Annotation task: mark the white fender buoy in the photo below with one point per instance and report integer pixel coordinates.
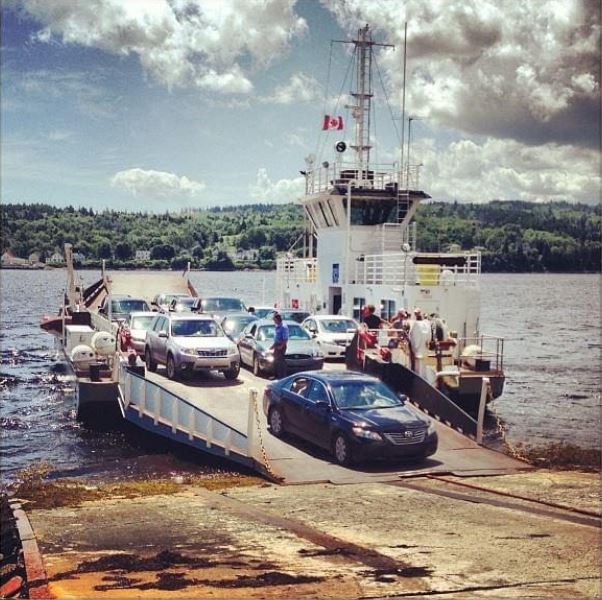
(104, 343)
(81, 356)
(470, 354)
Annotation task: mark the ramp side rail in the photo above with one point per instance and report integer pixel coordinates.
(157, 409)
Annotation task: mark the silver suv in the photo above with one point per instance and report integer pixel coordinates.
(187, 342)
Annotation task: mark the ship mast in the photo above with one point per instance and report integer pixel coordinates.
(363, 97)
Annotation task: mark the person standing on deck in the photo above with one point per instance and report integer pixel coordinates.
(420, 337)
(279, 346)
(372, 320)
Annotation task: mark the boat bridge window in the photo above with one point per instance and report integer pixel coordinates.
(387, 309)
(358, 304)
(324, 214)
(332, 212)
(372, 212)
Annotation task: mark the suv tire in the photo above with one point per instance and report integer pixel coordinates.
(232, 374)
(172, 370)
(151, 365)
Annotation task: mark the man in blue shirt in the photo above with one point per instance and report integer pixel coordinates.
(279, 346)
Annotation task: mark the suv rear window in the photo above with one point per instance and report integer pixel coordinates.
(196, 328)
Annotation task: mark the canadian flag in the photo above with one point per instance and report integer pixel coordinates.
(332, 122)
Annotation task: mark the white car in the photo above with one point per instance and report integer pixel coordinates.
(133, 333)
(186, 342)
(332, 332)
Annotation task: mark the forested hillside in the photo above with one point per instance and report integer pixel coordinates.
(513, 236)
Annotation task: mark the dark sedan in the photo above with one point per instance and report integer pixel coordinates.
(355, 416)
(234, 324)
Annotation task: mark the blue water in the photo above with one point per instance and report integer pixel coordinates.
(551, 324)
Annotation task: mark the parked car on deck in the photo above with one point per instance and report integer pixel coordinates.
(133, 334)
(234, 324)
(121, 306)
(332, 332)
(302, 351)
(289, 314)
(186, 342)
(163, 300)
(182, 304)
(219, 306)
(263, 312)
(355, 416)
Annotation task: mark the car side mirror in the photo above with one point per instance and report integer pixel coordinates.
(323, 404)
(163, 334)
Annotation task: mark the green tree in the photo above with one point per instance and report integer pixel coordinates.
(123, 251)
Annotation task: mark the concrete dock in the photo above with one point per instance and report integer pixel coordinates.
(412, 538)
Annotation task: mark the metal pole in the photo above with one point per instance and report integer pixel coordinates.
(251, 438)
(410, 119)
(348, 246)
(482, 403)
(403, 103)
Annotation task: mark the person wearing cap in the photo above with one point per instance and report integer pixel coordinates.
(400, 319)
(279, 346)
(420, 337)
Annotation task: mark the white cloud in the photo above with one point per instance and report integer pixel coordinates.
(507, 170)
(522, 70)
(156, 184)
(281, 191)
(180, 43)
(299, 88)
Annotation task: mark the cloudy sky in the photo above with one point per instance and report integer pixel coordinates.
(163, 104)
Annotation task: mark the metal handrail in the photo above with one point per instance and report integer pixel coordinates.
(167, 409)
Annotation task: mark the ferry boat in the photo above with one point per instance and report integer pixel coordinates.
(361, 249)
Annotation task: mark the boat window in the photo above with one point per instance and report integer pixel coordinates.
(310, 217)
(387, 309)
(332, 212)
(375, 211)
(320, 205)
(316, 215)
(358, 304)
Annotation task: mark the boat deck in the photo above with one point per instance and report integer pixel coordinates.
(143, 285)
(200, 410)
(296, 461)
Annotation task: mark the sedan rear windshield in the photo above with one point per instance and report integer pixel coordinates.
(142, 322)
(192, 328)
(295, 332)
(217, 304)
(363, 394)
(338, 325)
(128, 306)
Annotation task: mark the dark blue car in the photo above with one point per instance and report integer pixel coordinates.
(355, 416)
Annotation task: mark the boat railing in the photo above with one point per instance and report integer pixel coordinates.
(482, 352)
(297, 270)
(424, 269)
(100, 323)
(329, 177)
(165, 409)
